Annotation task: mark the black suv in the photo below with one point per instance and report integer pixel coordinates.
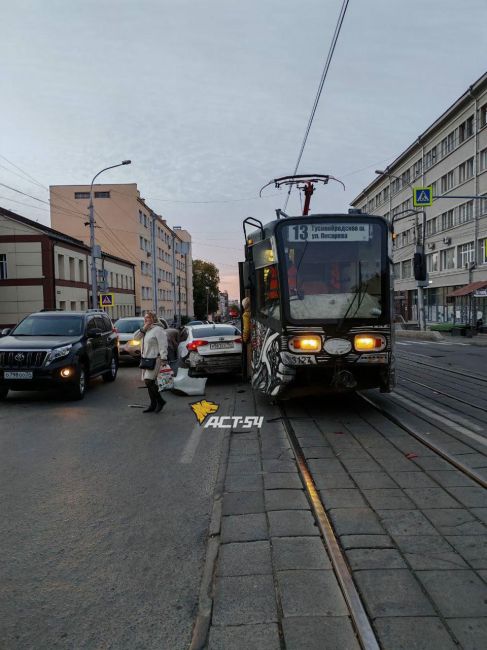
(60, 350)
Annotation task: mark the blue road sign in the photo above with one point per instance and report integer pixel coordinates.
(422, 196)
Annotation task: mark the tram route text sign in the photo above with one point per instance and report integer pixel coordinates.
(309, 232)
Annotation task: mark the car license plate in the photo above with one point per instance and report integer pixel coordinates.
(221, 346)
(17, 375)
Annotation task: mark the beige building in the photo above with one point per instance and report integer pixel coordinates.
(451, 157)
(127, 227)
(41, 268)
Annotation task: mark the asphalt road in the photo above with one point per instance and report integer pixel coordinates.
(105, 512)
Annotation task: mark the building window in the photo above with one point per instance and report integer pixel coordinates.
(447, 181)
(60, 266)
(73, 305)
(3, 266)
(465, 170)
(102, 195)
(432, 226)
(432, 262)
(483, 115)
(418, 168)
(81, 270)
(465, 130)
(483, 251)
(465, 212)
(81, 195)
(448, 259)
(447, 220)
(483, 160)
(71, 269)
(141, 243)
(430, 158)
(465, 254)
(82, 305)
(62, 305)
(406, 269)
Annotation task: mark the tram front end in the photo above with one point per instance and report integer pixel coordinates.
(320, 289)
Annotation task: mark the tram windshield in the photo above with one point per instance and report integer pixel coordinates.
(335, 270)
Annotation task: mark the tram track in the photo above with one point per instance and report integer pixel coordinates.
(433, 389)
(425, 440)
(360, 620)
(449, 369)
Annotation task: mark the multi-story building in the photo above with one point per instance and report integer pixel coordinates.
(127, 226)
(41, 268)
(451, 157)
(223, 305)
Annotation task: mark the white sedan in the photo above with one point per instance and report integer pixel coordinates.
(210, 349)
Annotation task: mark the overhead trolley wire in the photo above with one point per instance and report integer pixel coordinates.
(320, 88)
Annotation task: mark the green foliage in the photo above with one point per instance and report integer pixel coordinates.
(205, 275)
(446, 327)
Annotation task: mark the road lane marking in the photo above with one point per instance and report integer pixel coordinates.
(191, 446)
(443, 420)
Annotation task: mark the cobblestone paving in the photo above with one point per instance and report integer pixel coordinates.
(413, 531)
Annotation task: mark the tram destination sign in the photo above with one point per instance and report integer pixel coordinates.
(310, 232)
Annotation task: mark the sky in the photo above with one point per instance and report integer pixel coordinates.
(210, 100)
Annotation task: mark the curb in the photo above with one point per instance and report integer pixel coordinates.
(423, 336)
(201, 627)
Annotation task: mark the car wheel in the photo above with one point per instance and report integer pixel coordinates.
(111, 374)
(78, 389)
(3, 393)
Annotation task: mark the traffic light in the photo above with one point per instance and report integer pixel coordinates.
(419, 264)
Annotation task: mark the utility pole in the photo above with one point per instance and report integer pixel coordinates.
(155, 286)
(95, 250)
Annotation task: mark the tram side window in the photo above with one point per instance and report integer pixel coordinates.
(268, 291)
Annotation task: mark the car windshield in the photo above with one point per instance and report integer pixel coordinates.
(129, 326)
(334, 270)
(216, 330)
(50, 326)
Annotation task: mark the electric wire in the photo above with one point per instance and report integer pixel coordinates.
(320, 88)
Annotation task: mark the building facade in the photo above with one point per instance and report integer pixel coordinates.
(451, 158)
(41, 268)
(126, 226)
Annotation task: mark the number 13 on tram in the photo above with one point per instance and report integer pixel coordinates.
(320, 289)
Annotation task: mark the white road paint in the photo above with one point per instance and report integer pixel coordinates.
(440, 418)
(192, 445)
(429, 343)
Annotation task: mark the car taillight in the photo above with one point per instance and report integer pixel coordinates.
(194, 345)
(238, 340)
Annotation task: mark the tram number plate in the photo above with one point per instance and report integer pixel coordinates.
(221, 346)
(17, 375)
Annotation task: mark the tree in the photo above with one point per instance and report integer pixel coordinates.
(206, 279)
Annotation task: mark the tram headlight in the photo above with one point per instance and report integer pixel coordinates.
(369, 342)
(305, 343)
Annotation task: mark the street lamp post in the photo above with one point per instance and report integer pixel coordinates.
(94, 283)
(207, 301)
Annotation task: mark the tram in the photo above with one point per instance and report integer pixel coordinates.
(320, 290)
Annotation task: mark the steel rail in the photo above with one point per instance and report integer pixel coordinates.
(440, 392)
(441, 452)
(360, 620)
(430, 365)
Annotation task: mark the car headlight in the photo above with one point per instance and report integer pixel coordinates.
(369, 342)
(133, 343)
(58, 353)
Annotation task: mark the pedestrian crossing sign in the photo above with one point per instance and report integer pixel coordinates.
(422, 196)
(107, 300)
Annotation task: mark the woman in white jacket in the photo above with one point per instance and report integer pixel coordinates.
(154, 346)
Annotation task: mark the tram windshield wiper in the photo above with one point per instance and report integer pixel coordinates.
(359, 293)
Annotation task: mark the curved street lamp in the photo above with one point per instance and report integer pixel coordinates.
(94, 283)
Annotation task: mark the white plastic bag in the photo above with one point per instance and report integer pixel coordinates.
(165, 378)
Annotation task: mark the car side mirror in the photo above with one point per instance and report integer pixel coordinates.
(5, 332)
(94, 333)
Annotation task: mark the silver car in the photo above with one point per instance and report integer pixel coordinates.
(128, 347)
